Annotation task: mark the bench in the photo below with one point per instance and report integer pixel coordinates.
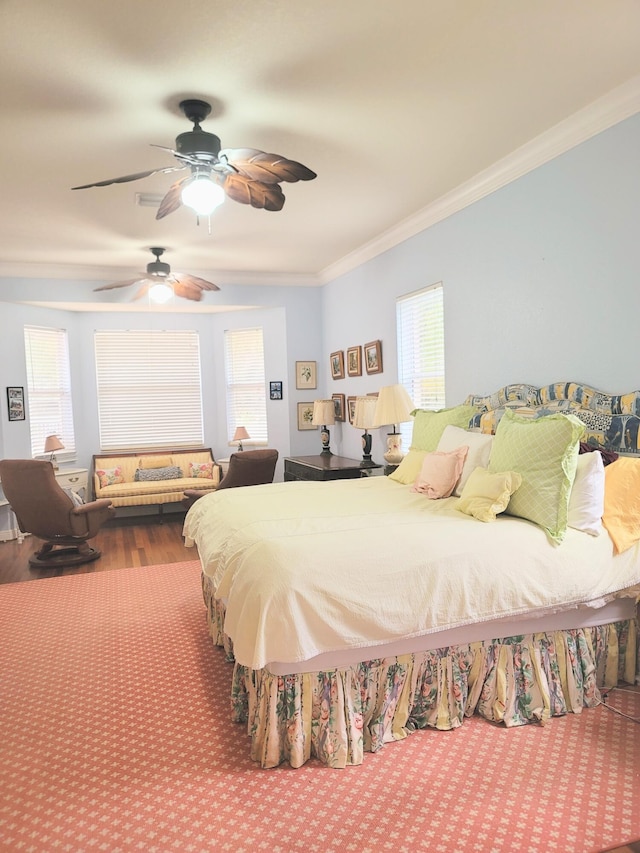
(152, 477)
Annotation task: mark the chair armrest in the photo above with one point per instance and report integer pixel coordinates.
(92, 506)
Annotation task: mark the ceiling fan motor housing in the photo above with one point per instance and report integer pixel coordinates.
(199, 144)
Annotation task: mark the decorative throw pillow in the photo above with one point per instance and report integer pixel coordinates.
(439, 473)
(409, 468)
(155, 461)
(622, 502)
(545, 452)
(486, 494)
(171, 472)
(479, 450)
(429, 426)
(110, 476)
(204, 470)
(586, 502)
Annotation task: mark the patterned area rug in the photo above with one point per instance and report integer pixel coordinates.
(115, 736)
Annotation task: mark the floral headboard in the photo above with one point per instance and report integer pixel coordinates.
(612, 420)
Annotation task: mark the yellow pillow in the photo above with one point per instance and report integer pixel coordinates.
(155, 462)
(409, 468)
(622, 502)
(485, 494)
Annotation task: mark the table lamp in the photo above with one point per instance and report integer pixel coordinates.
(324, 415)
(394, 407)
(240, 435)
(51, 444)
(364, 418)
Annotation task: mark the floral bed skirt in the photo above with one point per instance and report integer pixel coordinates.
(338, 715)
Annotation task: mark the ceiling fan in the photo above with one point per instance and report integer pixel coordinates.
(246, 175)
(161, 284)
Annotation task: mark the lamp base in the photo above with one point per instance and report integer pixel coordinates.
(325, 435)
(393, 456)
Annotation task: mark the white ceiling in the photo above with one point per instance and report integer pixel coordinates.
(398, 106)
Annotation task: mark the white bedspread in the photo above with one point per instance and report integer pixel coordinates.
(306, 568)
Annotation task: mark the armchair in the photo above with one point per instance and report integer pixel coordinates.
(45, 510)
(246, 468)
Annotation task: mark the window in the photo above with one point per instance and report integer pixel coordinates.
(246, 387)
(420, 322)
(49, 389)
(149, 390)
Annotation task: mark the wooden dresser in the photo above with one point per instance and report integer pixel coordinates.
(325, 467)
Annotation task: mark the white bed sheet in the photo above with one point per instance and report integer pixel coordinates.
(306, 569)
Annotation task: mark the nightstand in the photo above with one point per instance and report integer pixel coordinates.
(325, 467)
(76, 479)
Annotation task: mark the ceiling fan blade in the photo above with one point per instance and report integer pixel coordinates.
(186, 291)
(172, 200)
(120, 284)
(255, 193)
(268, 168)
(125, 178)
(194, 281)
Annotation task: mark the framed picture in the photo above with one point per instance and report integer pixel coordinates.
(373, 357)
(337, 365)
(306, 374)
(275, 390)
(15, 403)
(354, 361)
(351, 408)
(305, 416)
(338, 402)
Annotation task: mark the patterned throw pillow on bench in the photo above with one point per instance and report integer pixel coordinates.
(171, 472)
(204, 470)
(110, 476)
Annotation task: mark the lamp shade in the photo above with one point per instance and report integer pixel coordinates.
(324, 413)
(202, 195)
(52, 443)
(240, 434)
(394, 405)
(364, 412)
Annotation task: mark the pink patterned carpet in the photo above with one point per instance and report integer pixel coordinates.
(115, 736)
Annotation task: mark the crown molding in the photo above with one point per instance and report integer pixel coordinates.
(617, 105)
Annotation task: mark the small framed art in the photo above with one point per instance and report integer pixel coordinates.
(354, 361)
(336, 360)
(373, 357)
(15, 403)
(305, 416)
(338, 403)
(275, 390)
(306, 374)
(351, 408)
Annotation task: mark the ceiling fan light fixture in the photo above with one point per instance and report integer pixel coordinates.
(160, 293)
(202, 194)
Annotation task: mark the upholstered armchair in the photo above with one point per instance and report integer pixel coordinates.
(246, 468)
(44, 509)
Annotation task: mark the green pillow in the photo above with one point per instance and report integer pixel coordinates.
(429, 426)
(545, 452)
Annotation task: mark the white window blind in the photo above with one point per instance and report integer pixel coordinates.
(149, 389)
(49, 389)
(246, 386)
(420, 325)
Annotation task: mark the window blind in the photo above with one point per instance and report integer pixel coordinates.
(246, 386)
(49, 389)
(420, 328)
(149, 389)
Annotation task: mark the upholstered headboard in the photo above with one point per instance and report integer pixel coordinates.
(612, 420)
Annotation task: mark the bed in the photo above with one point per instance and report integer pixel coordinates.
(489, 574)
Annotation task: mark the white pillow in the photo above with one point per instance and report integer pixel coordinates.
(586, 501)
(479, 445)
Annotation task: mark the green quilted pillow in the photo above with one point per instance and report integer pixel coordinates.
(429, 426)
(545, 452)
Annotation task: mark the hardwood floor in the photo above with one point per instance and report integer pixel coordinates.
(124, 542)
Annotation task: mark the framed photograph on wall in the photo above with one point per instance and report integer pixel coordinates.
(305, 416)
(373, 357)
(15, 403)
(354, 361)
(336, 360)
(306, 374)
(351, 408)
(338, 403)
(275, 390)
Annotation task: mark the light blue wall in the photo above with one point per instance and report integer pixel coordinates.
(540, 282)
